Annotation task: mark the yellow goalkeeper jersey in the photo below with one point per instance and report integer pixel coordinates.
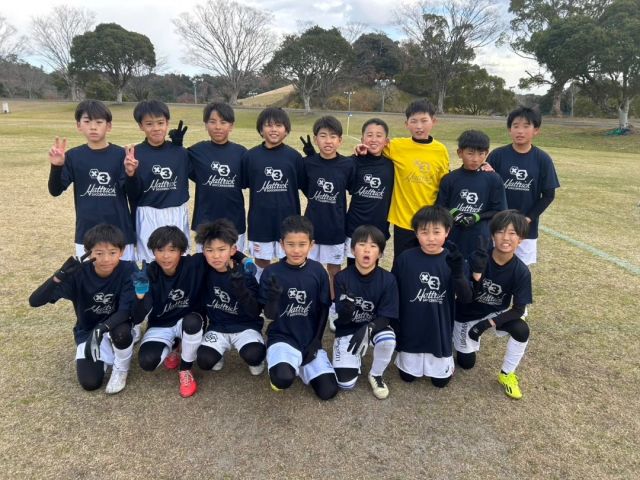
(419, 167)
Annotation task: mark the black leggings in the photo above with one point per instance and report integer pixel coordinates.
(282, 376)
(253, 353)
(437, 382)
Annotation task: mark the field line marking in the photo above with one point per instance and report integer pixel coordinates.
(594, 251)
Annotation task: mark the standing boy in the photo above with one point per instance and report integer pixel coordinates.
(97, 172)
(295, 295)
(103, 298)
(504, 291)
(274, 173)
(528, 173)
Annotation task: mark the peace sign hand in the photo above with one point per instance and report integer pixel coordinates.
(57, 151)
(130, 162)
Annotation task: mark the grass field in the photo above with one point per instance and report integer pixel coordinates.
(580, 377)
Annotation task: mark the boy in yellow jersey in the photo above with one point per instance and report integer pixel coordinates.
(420, 163)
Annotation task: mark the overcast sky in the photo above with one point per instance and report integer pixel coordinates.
(153, 19)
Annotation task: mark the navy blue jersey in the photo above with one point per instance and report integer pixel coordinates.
(427, 303)
(162, 177)
(376, 295)
(174, 297)
(216, 171)
(305, 291)
(525, 176)
(226, 314)
(273, 177)
(98, 179)
(471, 192)
(371, 194)
(502, 286)
(95, 298)
(327, 182)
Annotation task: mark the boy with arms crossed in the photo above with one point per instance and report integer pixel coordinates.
(97, 172)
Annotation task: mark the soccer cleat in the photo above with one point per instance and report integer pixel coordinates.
(257, 369)
(188, 385)
(173, 360)
(274, 388)
(510, 383)
(218, 366)
(380, 389)
(333, 316)
(117, 381)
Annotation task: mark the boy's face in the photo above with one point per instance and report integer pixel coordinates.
(367, 254)
(218, 128)
(296, 246)
(95, 131)
(472, 158)
(522, 132)
(375, 138)
(155, 129)
(107, 258)
(506, 241)
(218, 254)
(420, 124)
(328, 142)
(273, 134)
(168, 258)
(431, 237)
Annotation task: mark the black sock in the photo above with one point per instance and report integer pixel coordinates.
(185, 365)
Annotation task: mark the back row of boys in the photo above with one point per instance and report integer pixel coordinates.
(270, 168)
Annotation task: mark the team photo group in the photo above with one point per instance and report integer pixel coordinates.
(265, 277)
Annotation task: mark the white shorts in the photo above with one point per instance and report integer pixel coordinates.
(149, 219)
(328, 254)
(425, 365)
(240, 244)
(223, 342)
(527, 251)
(127, 254)
(166, 335)
(461, 341)
(344, 359)
(106, 350)
(266, 250)
(284, 353)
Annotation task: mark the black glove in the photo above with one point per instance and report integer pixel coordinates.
(307, 147)
(346, 306)
(237, 276)
(478, 329)
(455, 260)
(457, 215)
(479, 257)
(71, 266)
(469, 219)
(177, 134)
(140, 280)
(311, 351)
(359, 340)
(274, 289)
(380, 323)
(92, 345)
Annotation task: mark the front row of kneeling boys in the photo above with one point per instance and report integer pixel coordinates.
(200, 306)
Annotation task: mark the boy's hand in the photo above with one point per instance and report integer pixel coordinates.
(307, 147)
(177, 134)
(311, 351)
(457, 215)
(347, 305)
(359, 340)
(455, 260)
(237, 275)
(478, 329)
(130, 162)
(140, 280)
(92, 345)
(479, 257)
(486, 167)
(274, 289)
(469, 219)
(57, 151)
(71, 266)
(360, 150)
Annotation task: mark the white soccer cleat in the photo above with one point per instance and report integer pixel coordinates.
(257, 369)
(117, 381)
(380, 389)
(218, 366)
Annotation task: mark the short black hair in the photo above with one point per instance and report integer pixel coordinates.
(94, 109)
(420, 106)
(153, 108)
(221, 229)
(376, 121)
(224, 110)
(475, 140)
(503, 219)
(365, 232)
(532, 115)
(168, 235)
(273, 115)
(296, 224)
(103, 233)
(329, 122)
(434, 214)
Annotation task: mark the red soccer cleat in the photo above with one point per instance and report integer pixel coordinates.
(188, 385)
(173, 360)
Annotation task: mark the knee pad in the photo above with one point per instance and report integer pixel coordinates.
(440, 382)
(282, 375)
(519, 331)
(90, 374)
(407, 377)
(347, 377)
(207, 357)
(253, 353)
(121, 336)
(150, 354)
(325, 386)
(466, 360)
(192, 323)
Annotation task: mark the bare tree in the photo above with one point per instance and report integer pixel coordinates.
(11, 47)
(52, 36)
(231, 40)
(448, 34)
(351, 31)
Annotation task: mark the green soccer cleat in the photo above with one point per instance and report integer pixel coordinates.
(510, 383)
(275, 389)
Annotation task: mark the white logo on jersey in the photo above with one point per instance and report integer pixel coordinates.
(365, 305)
(221, 294)
(327, 195)
(223, 170)
(372, 190)
(222, 302)
(176, 295)
(297, 309)
(431, 293)
(274, 173)
(519, 173)
(104, 304)
(103, 178)
(373, 182)
(491, 293)
(470, 197)
(102, 189)
(102, 298)
(519, 182)
(162, 184)
(177, 301)
(299, 295)
(164, 172)
(275, 184)
(431, 281)
(327, 187)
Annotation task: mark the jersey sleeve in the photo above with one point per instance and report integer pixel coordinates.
(67, 177)
(324, 295)
(127, 294)
(497, 196)
(549, 178)
(522, 291)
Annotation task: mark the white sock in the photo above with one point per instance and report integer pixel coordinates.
(259, 271)
(122, 359)
(513, 355)
(190, 344)
(384, 344)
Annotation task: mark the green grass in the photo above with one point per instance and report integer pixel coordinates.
(580, 376)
